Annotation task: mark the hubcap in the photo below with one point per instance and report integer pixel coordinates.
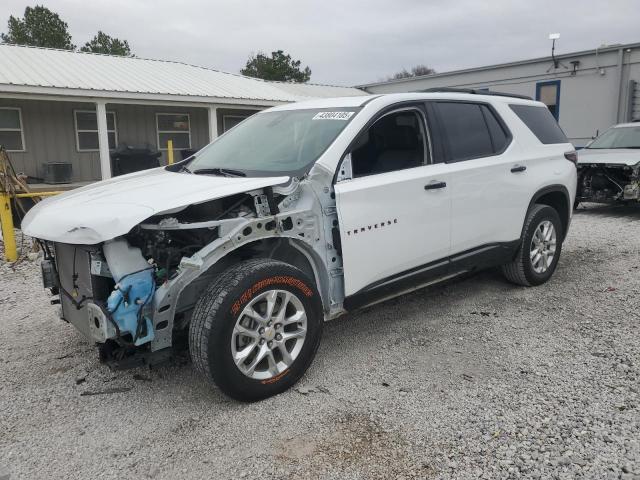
(269, 334)
(543, 247)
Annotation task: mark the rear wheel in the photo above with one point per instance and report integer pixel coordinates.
(256, 329)
(539, 250)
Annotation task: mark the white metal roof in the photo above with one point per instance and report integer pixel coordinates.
(61, 72)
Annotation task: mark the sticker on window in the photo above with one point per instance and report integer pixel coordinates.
(333, 115)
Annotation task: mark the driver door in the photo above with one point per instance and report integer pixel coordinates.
(394, 207)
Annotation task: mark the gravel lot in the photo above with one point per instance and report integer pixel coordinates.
(474, 379)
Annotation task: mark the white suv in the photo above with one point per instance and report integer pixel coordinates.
(302, 213)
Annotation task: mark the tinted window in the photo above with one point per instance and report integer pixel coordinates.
(465, 130)
(499, 137)
(395, 142)
(541, 122)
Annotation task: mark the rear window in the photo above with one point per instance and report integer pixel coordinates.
(541, 122)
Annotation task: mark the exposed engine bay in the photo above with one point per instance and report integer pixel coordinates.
(606, 183)
(134, 295)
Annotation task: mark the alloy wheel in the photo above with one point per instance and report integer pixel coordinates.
(543, 247)
(269, 334)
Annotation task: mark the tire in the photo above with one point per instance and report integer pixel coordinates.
(522, 270)
(219, 323)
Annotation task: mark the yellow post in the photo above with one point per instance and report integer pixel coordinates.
(6, 221)
(170, 152)
(36, 194)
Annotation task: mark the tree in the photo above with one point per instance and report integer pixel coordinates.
(279, 67)
(40, 27)
(417, 71)
(103, 43)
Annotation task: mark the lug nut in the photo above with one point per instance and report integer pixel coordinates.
(261, 331)
(278, 337)
(270, 344)
(262, 341)
(278, 325)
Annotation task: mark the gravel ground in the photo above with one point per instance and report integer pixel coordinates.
(474, 379)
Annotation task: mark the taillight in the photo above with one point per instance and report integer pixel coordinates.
(572, 156)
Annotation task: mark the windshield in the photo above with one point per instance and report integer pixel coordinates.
(273, 143)
(620, 137)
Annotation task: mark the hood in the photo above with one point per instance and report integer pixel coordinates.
(614, 156)
(105, 210)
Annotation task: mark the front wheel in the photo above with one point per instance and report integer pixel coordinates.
(539, 250)
(256, 329)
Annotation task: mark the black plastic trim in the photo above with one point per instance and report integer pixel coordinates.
(474, 259)
(473, 91)
(549, 189)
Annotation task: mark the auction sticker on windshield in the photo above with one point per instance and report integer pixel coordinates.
(333, 115)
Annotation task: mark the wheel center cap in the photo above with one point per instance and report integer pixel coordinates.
(269, 333)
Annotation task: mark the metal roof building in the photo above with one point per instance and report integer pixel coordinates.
(74, 107)
(587, 91)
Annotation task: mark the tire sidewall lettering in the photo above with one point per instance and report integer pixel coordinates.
(279, 280)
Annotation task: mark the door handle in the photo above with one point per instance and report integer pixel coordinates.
(434, 185)
(518, 168)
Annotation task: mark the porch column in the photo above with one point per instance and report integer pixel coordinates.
(213, 123)
(103, 139)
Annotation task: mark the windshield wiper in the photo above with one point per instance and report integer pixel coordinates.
(225, 172)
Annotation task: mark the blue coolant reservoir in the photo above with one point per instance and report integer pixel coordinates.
(126, 305)
(134, 290)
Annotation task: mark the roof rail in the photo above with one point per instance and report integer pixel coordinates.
(473, 91)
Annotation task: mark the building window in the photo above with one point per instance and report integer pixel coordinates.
(87, 130)
(549, 94)
(176, 127)
(230, 121)
(11, 134)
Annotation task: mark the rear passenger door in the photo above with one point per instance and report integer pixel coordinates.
(487, 176)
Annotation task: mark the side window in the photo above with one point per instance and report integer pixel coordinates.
(465, 130)
(541, 122)
(499, 137)
(394, 142)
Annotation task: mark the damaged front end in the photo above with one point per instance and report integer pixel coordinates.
(134, 294)
(608, 183)
(105, 291)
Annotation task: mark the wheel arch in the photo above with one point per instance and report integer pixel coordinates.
(558, 198)
(285, 249)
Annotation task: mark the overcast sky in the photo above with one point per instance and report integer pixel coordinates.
(348, 42)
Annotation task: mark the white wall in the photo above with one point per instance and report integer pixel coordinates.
(589, 99)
